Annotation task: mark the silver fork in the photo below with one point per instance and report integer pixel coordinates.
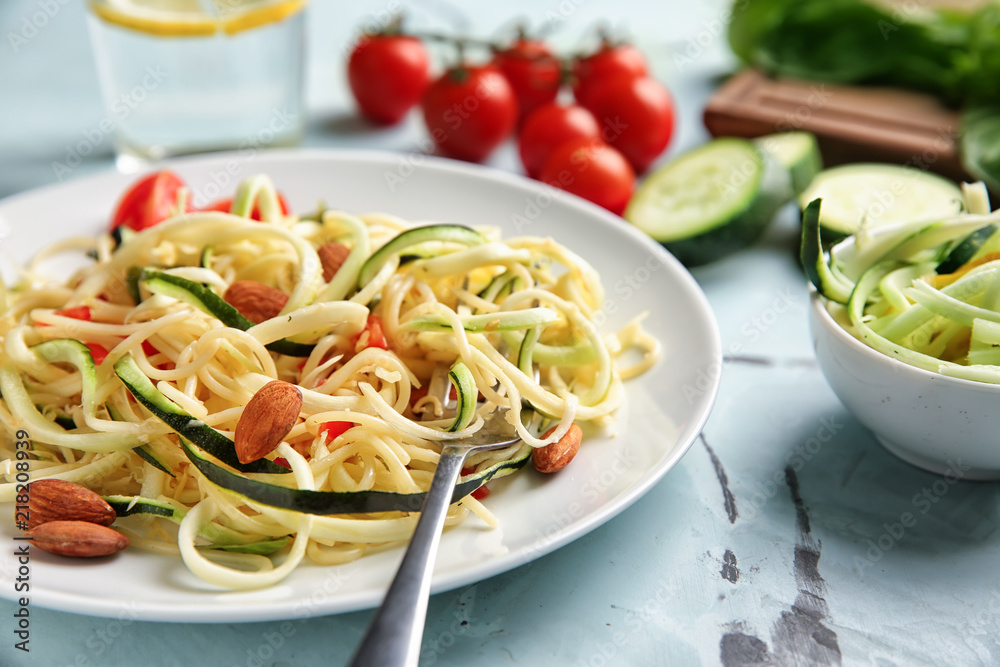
(394, 635)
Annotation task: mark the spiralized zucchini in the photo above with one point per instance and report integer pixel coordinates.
(508, 310)
(928, 295)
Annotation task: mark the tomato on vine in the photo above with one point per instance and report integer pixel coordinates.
(388, 75)
(550, 126)
(593, 170)
(469, 111)
(639, 115)
(533, 72)
(609, 61)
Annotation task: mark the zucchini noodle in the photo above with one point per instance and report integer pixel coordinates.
(131, 375)
(926, 294)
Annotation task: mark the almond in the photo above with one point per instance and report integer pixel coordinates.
(557, 455)
(59, 500)
(79, 539)
(332, 257)
(255, 301)
(267, 419)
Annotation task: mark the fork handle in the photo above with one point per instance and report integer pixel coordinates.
(393, 637)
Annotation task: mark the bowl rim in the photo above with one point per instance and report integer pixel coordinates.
(820, 303)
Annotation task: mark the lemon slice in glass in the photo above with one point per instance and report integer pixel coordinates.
(194, 18)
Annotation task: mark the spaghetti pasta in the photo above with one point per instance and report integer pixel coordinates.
(131, 375)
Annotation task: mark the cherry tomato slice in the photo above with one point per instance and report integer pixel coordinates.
(98, 352)
(332, 430)
(76, 312)
(148, 202)
(388, 75)
(481, 492)
(373, 335)
(224, 206)
(593, 170)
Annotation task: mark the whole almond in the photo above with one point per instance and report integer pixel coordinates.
(79, 539)
(267, 419)
(332, 256)
(557, 455)
(59, 500)
(256, 301)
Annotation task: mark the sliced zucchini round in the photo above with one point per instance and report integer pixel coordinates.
(711, 201)
(797, 152)
(867, 196)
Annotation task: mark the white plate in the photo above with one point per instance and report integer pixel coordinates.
(665, 409)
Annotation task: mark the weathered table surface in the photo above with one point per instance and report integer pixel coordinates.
(785, 536)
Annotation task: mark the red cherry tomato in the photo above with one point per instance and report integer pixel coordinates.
(638, 117)
(98, 352)
(469, 111)
(149, 201)
(220, 205)
(532, 71)
(372, 335)
(224, 205)
(480, 493)
(621, 60)
(593, 170)
(388, 75)
(331, 430)
(550, 126)
(76, 312)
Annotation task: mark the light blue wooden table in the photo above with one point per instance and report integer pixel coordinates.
(776, 540)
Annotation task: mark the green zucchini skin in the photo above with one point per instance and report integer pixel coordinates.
(465, 386)
(202, 297)
(813, 258)
(966, 249)
(738, 187)
(411, 237)
(146, 455)
(514, 320)
(134, 505)
(184, 424)
(736, 234)
(144, 452)
(132, 279)
(211, 443)
(798, 152)
(129, 506)
(261, 548)
(872, 195)
(326, 503)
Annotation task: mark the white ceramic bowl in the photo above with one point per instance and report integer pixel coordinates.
(943, 424)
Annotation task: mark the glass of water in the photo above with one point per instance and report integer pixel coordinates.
(188, 76)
